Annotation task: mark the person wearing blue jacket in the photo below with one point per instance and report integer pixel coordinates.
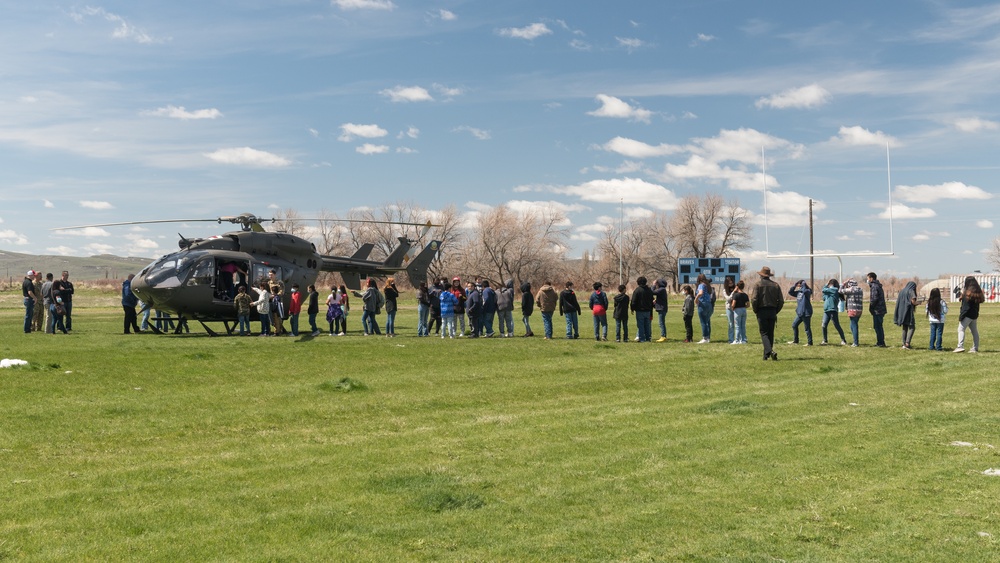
(803, 311)
(831, 308)
(448, 304)
(129, 301)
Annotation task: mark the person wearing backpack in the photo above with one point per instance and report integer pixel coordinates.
(599, 309)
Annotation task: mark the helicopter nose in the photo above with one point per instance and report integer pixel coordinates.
(142, 290)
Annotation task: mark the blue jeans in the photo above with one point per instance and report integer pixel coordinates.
(705, 318)
(265, 324)
(527, 325)
(854, 328)
(507, 322)
(29, 312)
(294, 321)
(731, 318)
(447, 326)
(312, 322)
(879, 333)
(662, 317)
(572, 325)
(739, 324)
(937, 335)
(486, 323)
(795, 329)
(423, 314)
(832, 316)
(244, 324)
(390, 322)
(621, 326)
(600, 321)
(547, 324)
(644, 325)
(370, 323)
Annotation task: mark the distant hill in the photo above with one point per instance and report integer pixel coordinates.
(14, 265)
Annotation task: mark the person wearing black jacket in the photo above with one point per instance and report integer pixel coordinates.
(312, 309)
(621, 315)
(527, 307)
(766, 301)
(570, 308)
(474, 308)
(968, 315)
(642, 304)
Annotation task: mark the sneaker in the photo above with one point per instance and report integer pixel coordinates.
(853, 345)
(636, 338)
(974, 351)
(315, 333)
(793, 342)
(774, 356)
(661, 339)
(703, 341)
(808, 344)
(618, 339)
(340, 334)
(461, 335)
(843, 343)
(823, 343)
(959, 349)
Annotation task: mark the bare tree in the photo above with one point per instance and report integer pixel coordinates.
(708, 227)
(505, 244)
(289, 221)
(994, 254)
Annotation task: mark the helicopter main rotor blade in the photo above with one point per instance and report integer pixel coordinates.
(136, 223)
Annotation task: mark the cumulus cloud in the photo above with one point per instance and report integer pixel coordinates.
(246, 156)
(631, 43)
(48, 205)
(347, 5)
(348, 131)
(858, 136)
(369, 148)
(925, 193)
(406, 150)
(928, 235)
(9, 236)
(60, 250)
(579, 44)
(89, 204)
(637, 149)
(528, 32)
(447, 15)
(702, 38)
(900, 211)
(175, 112)
(984, 224)
(632, 191)
(98, 248)
(788, 209)
(123, 29)
(411, 132)
(614, 107)
(86, 232)
(446, 91)
(805, 97)
(399, 94)
(481, 134)
(974, 124)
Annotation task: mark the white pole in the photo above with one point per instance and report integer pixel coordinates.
(621, 244)
(763, 176)
(888, 173)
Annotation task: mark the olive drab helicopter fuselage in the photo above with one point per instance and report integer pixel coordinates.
(200, 281)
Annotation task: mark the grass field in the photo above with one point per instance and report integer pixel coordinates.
(190, 448)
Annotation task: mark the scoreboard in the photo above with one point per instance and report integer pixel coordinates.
(715, 269)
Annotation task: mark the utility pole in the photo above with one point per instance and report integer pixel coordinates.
(812, 258)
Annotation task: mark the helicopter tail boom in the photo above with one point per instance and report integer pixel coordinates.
(416, 270)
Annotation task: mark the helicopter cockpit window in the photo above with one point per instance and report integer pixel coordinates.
(203, 273)
(260, 271)
(170, 270)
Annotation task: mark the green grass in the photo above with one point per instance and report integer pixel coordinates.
(373, 449)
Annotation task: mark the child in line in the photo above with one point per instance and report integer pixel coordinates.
(263, 304)
(448, 302)
(688, 310)
(277, 312)
(738, 301)
(599, 309)
(936, 308)
(621, 315)
(294, 309)
(242, 302)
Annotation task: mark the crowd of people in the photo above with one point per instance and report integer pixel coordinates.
(48, 304)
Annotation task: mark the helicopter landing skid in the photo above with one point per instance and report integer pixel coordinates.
(229, 328)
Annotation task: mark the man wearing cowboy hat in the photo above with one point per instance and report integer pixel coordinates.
(766, 301)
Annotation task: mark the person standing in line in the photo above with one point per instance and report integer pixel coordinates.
(38, 312)
(968, 315)
(936, 309)
(28, 292)
(312, 309)
(547, 300)
(448, 304)
(621, 315)
(569, 307)
(766, 302)
(129, 301)
(737, 305)
(371, 298)
(854, 298)
(877, 308)
(263, 304)
(391, 295)
(703, 300)
(462, 296)
(728, 289)
(803, 311)
(295, 309)
(642, 305)
(242, 302)
(489, 309)
(527, 307)
(277, 313)
(660, 306)
(435, 296)
(66, 291)
(599, 310)
(505, 309)
(688, 313)
(423, 309)
(905, 315)
(334, 312)
(47, 304)
(474, 308)
(831, 306)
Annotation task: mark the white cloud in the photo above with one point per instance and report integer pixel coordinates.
(369, 148)
(524, 206)
(123, 29)
(703, 38)
(614, 107)
(406, 150)
(411, 132)
(399, 94)
(246, 156)
(363, 4)
(632, 191)
(175, 112)
(900, 211)
(928, 235)
(99, 248)
(348, 131)
(446, 91)
(858, 136)
(86, 232)
(579, 44)
(925, 193)
(96, 205)
(9, 236)
(810, 96)
(314, 133)
(788, 209)
(631, 43)
(984, 224)
(60, 250)
(528, 32)
(447, 15)
(480, 134)
(974, 124)
(637, 149)
(863, 233)
(48, 205)
(689, 115)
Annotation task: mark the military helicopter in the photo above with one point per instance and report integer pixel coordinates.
(199, 281)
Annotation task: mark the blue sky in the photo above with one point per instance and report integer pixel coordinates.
(118, 111)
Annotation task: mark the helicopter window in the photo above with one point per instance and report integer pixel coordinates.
(260, 272)
(203, 273)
